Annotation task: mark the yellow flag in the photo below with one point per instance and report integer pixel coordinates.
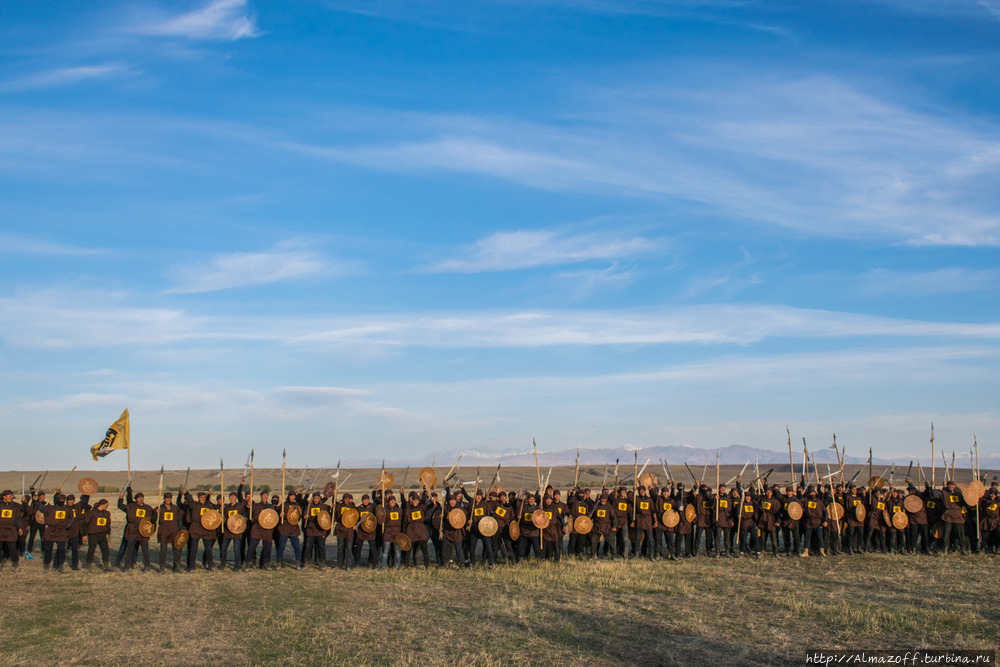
(116, 438)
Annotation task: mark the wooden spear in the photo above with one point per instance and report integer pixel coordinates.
(791, 464)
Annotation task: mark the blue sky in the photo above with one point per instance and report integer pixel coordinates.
(399, 228)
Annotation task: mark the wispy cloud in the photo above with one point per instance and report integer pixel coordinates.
(24, 245)
(65, 76)
(940, 281)
(813, 154)
(247, 269)
(75, 320)
(506, 251)
(219, 19)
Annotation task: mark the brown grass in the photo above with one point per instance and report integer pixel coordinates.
(701, 612)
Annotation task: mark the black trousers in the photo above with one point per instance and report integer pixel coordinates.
(919, 532)
(958, 530)
(8, 550)
(419, 545)
(513, 553)
(723, 540)
(666, 538)
(769, 535)
(169, 546)
(95, 541)
(595, 543)
(265, 552)
(373, 554)
(487, 548)
(790, 538)
(73, 544)
(315, 550)
(132, 556)
(456, 548)
(344, 545)
(60, 556)
(36, 529)
(223, 553)
(208, 560)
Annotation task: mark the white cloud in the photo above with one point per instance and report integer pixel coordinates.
(65, 76)
(814, 155)
(23, 245)
(940, 281)
(505, 251)
(219, 19)
(77, 320)
(246, 269)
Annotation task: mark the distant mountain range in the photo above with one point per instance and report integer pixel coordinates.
(673, 455)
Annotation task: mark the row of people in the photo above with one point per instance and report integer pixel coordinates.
(669, 522)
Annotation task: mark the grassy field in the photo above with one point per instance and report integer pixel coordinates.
(701, 612)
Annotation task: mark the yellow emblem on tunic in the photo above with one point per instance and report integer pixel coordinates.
(102, 521)
(723, 503)
(416, 516)
(7, 514)
(644, 506)
(601, 513)
(204, 509)
(812, 505)
(168, 516)
(501, 511)
(140, 513)
(394, 516)
(953, 499)
(581, 509)
(622, 507)
(60, 515)
(314, 511)
(479, 511)
(748, 509)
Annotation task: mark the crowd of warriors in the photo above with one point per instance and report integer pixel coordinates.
(624, 523)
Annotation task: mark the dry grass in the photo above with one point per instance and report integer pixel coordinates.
(702, 612)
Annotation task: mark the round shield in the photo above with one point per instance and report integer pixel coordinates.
(323, 519)
(860, 512)
(181, 539)
(671, 518)
(425, 473)
(236, 524)
(436, 520)
(913, 503)
(835, 511)
(794, 511)
(330, 490)
(583, 525)
(497, 489)
(540, 519)
(877, 482)
(973, 492)
(146, 527)
(402, 541)
(293, 514)
(690, 513)
(648, 480)
(268, 519)
(40, 517)
(430, 482)
(87, 486)
(211, 520)
(514, 529)
(349, 517)
(456, 518)
(379, 515)
(488, 526)
(938, 530)
(384, 480)
(368, 523)
(887, 517)
(900, 520)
